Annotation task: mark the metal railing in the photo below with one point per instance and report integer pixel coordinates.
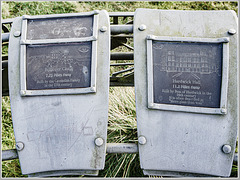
(124, 77)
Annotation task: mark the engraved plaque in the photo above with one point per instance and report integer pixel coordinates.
(58, 28)
(58, 66)
(187, 74)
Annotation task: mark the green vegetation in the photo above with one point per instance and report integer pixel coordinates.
(122, 126)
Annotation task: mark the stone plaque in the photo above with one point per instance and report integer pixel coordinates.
(65, 27)
(58, 66)
(187, 74)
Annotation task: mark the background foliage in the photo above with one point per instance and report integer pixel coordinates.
(122, 126)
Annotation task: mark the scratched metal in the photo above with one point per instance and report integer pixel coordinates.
(187, 74)
(177, 142)
(58, 131)
(59, 66)
(58, 28)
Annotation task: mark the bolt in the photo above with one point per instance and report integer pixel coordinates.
(232, 31)
(142, 27)
(226, 149)
(19, 146)
(93, 89)
(96, 12)
(23, 92)
(142, 140)
(17, 33)
(99, 141)
(103, 29)
(224, 111)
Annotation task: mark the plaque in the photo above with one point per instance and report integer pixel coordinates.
(59, 28)
(58, 66)
(187, 73)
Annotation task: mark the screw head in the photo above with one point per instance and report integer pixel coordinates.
(17, 33)
(142, 27)
(224, 111)
(142, 140)
(226, 149)
(99, 141)
(19, 146)
(232, 31)
(103, 29)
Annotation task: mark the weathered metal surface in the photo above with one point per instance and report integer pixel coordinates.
(5, 37)
(122, 148)
(121, 29)
(122, 56)
(9, 154)
(65, 27)
(58, 131)
(60, 66)
(112, 148)
(179, 142)
(192, 72)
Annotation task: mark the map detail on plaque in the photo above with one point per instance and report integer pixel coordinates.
(187, 73)
(58, 66)
(65, 27)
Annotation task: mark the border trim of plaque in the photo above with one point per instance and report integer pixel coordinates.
(23, 46)
(224, 81)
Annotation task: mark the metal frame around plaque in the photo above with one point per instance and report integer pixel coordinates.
(24, 42)
(224, 80)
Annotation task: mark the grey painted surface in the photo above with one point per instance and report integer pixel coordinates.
(184, 142)
(59, 131)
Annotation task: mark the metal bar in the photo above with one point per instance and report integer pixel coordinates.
(7, 21)
(9, 154)
(111, 148)
(119, 72)
(127, 46)
(122, 148)
(121, 56)
(121, 14)
(121, 29)
(122, 64)
(5, 37)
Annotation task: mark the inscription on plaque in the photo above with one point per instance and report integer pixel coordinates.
(58, 66)
(187, 74)
(67, 27)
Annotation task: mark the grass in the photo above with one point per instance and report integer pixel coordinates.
(122, 126)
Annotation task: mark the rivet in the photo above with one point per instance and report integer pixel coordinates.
(99, 141)
(92, 89)
(142, 140)
(226, 149)
(19, 146)
(96, 12)
(224, 111)
(17, 33)
(142, 27)
(103, 29)
(23, 92)
(232, 31)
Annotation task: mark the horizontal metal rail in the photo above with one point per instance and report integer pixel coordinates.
(5, 37)
(121, 29)
(121, 56)
(112, 148)
(121, 14)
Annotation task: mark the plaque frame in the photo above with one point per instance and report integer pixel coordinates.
(171, 107)
(23, 46)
